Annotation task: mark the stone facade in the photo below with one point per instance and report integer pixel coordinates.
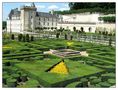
(29, 20)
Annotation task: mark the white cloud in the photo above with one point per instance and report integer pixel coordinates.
(53, 7)
(27, 4)
(65, 8)
(66, 5)
(40, 6)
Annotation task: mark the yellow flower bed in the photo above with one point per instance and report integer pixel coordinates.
(6, 47)
(60, 68)
(69, 43)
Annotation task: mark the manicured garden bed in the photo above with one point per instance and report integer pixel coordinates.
(29, 58)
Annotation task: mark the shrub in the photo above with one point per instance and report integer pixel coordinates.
(104, 84)
(112, 81)
(12, 70)
(32, 83)
(23, 77)
(20, 36)
(7, 64)
(92, 77)
(27, 38)
(84, 81)
(97, 85)
(19, 72)
(57, 35)
(32, 38)
(110, 41)
(107, 75)
(5, 77)
(17, 77)
(71, 37)
(11, 82)
(6, 51)
(12, 36)
(24, 38)
(65, 36)
(95, 81)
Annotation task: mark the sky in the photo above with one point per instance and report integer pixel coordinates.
(41, 7)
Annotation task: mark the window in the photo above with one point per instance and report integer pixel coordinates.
(31, 17)
(44, 19)
(47, 24)
(39, 19)
(52, 23)
(39, 23)
(43, 23)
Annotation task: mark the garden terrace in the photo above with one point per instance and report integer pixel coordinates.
(37, 71)
(28, 57)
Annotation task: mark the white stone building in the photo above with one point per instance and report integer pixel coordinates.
(29, 20)
(86, 21)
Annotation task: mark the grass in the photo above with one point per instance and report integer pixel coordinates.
(38, 69)
(35, 66)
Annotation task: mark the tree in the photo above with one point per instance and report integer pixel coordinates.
(65, 36)
(71, 37)
(32, 38)
(57, 35)
(20, 36)
(51, 28)
(81, 7)
(110, 19)
(24, 38)
(110, 41)
(82, 29)
(74, 29)
(12, 36)
(27, 37)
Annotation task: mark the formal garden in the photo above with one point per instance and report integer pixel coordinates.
(26, 65)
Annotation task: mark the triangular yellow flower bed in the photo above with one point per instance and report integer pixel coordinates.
(60, 68)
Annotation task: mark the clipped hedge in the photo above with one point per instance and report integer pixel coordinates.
(11, 82)
(84, 82)
(31, 83)
(112, 81)
(107, 76)
(5, 77)
(23, 77)
(6, 51)
(104, 84)
(92, 77)
(16, 76)
(95, 81)
(74, 84)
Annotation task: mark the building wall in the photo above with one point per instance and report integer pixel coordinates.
(78, 27)
(81, 18)
(110, 27)
(46, 22)
(13, 26)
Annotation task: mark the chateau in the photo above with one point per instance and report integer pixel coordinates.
(29, 20)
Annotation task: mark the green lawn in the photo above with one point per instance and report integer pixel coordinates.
(38, 68)
(29, 57)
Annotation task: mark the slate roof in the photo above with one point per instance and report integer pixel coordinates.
(14, 12)
(43, 14)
